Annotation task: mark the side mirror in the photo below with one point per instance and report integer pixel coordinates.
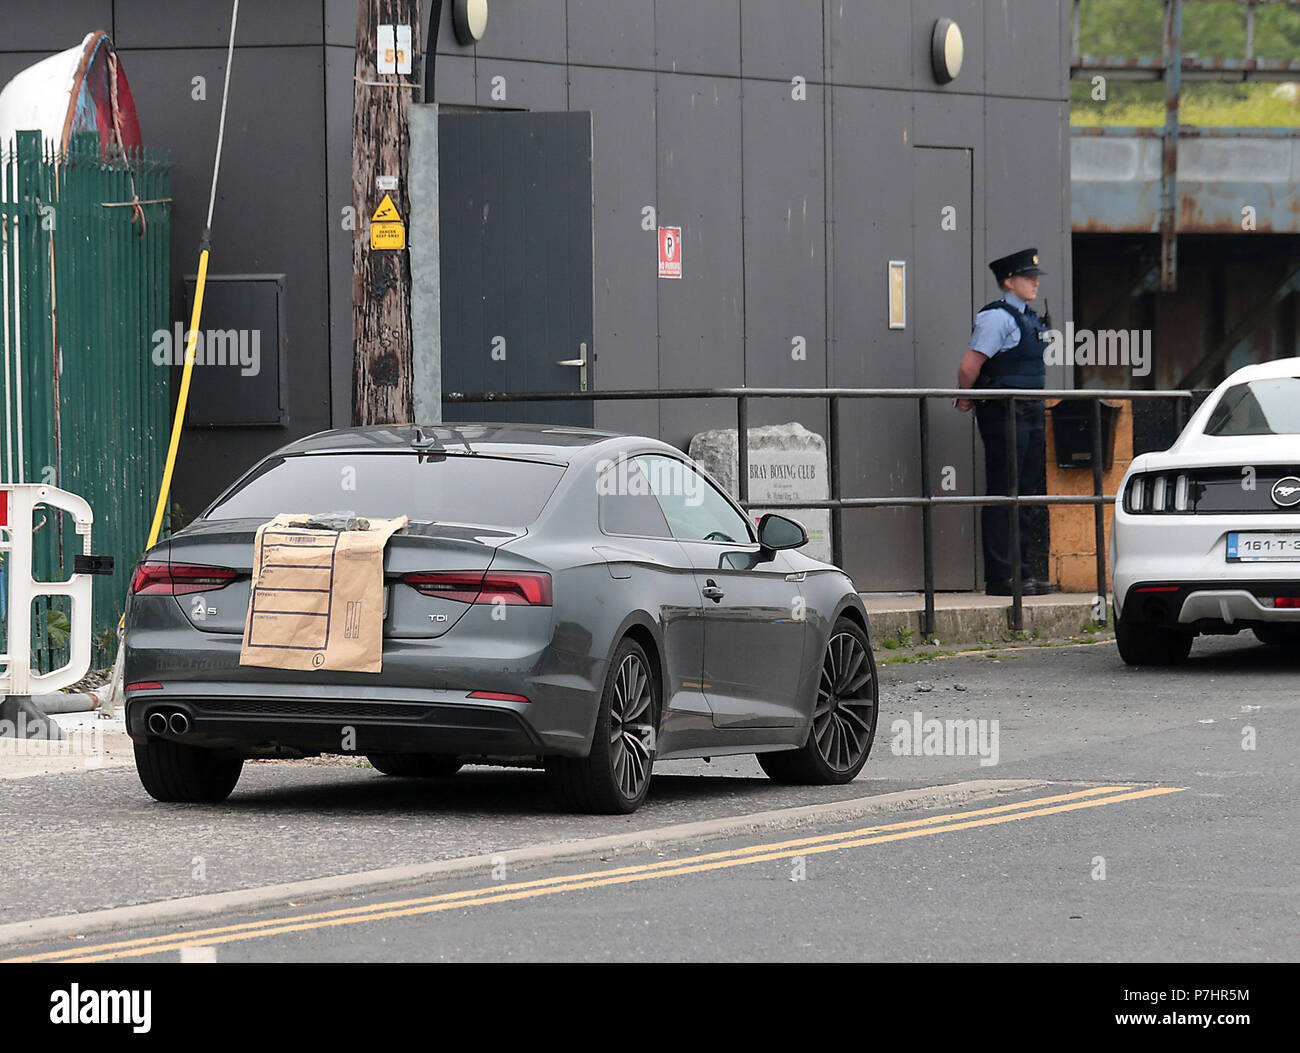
(777, 532)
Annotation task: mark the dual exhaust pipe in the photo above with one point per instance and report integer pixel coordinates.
(162, 722)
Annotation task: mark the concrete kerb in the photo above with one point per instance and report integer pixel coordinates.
(298, 892)
(970, 618)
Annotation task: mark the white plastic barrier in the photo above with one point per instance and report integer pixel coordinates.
(17, 503)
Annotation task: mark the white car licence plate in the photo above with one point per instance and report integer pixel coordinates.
(1258, 546)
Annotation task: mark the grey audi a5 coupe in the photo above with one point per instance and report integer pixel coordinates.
(574, 599)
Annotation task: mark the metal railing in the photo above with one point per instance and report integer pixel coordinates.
(927, 500)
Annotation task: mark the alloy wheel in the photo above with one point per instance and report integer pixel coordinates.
(845, 717)
(631, 733)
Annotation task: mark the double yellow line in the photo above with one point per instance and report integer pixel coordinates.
(803, 846)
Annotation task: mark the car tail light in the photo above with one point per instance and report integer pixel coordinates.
(177, 579)
(145, 685)
(510, 587)
(1158, 588)
(1287, 602)
(449, 585)
(1137, 493)
(1180, 494)
(1158, 494)
(497, 696)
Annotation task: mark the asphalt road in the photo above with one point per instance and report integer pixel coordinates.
(1196, 840)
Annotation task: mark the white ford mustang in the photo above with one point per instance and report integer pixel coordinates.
(1206, 537)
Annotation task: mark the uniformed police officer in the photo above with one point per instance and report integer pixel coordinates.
(1007, 350)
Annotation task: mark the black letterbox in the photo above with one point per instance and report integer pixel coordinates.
(1072, 425)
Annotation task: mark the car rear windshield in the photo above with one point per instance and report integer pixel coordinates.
(456, 488)
(1258, 407)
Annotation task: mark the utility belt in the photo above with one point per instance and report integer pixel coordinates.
(983, 381)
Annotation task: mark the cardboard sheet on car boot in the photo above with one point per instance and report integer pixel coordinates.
(317, 598)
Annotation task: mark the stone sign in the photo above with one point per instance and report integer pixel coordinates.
(787, 462)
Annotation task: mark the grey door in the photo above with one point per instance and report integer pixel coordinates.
(944, 277)
(514, 194)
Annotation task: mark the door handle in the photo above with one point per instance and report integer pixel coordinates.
(712, 592)
(581, 363)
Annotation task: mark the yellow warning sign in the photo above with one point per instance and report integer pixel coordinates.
(387, 231)
(388, 235)
(386, 212)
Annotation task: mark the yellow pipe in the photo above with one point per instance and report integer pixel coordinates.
(181, 400)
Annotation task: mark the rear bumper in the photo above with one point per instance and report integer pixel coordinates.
(1172, 570)
(1210, 606)
(270, 720)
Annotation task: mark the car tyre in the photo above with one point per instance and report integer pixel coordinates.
(1142, 644)
(614, 777)
(415, 765)
(181, 774)
(844, 716)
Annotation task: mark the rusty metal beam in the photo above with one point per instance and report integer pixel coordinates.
(1253, 318)
(1152, 69)
(1185, 131)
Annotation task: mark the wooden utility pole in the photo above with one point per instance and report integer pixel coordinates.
(381, 268)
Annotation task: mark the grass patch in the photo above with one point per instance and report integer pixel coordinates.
(1250, 105)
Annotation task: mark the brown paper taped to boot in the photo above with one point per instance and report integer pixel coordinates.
(317, 600)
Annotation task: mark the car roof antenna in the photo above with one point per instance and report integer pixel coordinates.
(426, 444)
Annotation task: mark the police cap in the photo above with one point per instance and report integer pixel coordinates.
(1024, 262)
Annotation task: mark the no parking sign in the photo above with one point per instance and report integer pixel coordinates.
(670, 252)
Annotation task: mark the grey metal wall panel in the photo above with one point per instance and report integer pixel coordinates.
(1021, 48)
(871, 191)
(269, 217)
(623, 177)
(339, 67)
(612, 33)
(870, 178)
(533, 31)
(969, 16)
(203, 23)
(781, 39)
(691, 37)
(526, 85)
(957, 120)
(785, 258)
(35, 25)
(626, 323)
(866, 44)
(341, 22)
(701, 316)
(1025, 153)
(941, 331)
(948, 120)
(1023, 168)
(453, 80)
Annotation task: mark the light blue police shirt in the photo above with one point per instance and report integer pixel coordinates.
(995, 330)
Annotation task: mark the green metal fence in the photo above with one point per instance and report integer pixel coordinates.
(84, 286)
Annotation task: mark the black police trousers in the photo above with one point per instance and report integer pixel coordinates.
(995, 520)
